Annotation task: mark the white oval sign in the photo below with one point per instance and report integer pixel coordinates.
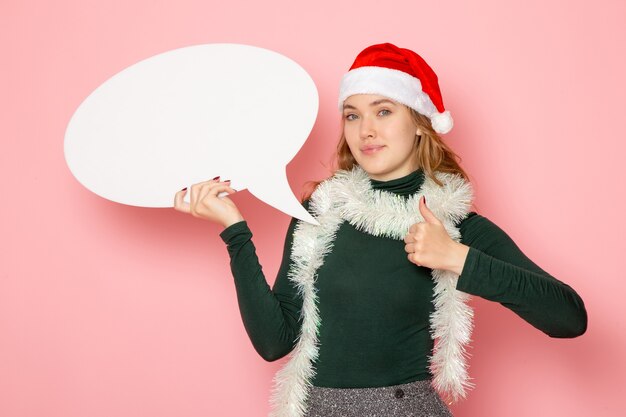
(188, 115)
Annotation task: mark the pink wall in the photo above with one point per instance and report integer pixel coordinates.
(111, 310)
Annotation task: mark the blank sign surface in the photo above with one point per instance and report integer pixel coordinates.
(190, 114)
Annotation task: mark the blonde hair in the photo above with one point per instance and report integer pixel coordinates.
(431, 152)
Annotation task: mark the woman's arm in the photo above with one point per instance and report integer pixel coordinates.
(271, 317)
(497, 270)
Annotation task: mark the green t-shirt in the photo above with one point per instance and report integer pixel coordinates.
(375, 304)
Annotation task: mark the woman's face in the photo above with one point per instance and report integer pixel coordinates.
(381, 135)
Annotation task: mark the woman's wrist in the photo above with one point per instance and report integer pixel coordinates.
(459, 255)
(232, 221)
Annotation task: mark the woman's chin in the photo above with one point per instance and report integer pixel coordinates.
(371, 168)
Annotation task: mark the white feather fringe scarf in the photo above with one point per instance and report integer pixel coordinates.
(348, 196)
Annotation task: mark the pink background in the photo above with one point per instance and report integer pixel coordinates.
(112, 310)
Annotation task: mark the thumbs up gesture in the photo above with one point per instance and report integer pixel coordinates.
(428, 244)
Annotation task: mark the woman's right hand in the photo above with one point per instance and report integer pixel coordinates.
(206, 204)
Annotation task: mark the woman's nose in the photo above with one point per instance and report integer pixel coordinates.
(367, 127)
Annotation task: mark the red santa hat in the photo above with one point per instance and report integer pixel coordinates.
(401, 75)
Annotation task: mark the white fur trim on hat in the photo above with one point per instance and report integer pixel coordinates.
(398, 86)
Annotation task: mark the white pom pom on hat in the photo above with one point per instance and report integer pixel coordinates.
(401, 75)
(442, 122)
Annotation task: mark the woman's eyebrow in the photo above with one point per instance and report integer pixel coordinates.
(373, 103)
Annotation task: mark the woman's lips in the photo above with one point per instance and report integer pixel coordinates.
(371, 151)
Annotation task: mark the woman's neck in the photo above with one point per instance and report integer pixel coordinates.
(404, 186)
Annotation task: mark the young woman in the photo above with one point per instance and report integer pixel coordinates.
(371, 305)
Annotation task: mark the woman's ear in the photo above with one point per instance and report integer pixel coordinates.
(418, 132)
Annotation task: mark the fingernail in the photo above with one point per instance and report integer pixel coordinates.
(226, 180)
(184, 189)
(424, 199)
(216, 177)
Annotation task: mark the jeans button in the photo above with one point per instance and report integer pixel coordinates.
(399, 393)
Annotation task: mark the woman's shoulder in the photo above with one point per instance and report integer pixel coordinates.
(306, 203)
(475, 222)
(466, 221)
(468, 217)
(478, 229)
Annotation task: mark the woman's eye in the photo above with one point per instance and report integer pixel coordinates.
(349, 116)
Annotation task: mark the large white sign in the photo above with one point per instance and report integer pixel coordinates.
(188, 115)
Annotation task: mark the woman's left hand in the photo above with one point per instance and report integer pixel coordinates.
(429, 244)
